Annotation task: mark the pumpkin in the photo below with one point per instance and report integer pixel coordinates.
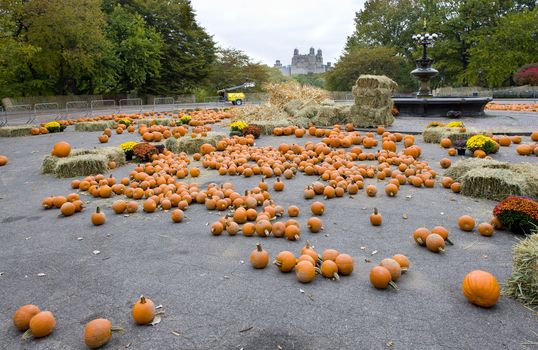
(23, 315)
(466, 223)
(371, 190)
(98, 218)
(305, 272)
(394, 268)
(278, 185)
(446, 142)
(67, 209)
(177, 215)
(496, 223)
(481, 288)
(285, 261)
(41, 325)
(149, 205)
(259, 258)
(376, 218)
(58, 201)
(293, 211)
(132, 207)
(381, 278)
(534, 136)
(308, 258)
(452, 151)
(103, 138)
(420, 235)
(524, 150)
(61, 149)
(329, 254)
(485, 229)
(308, 250)
(217, 228)
(292, 232)
(3, 160)
(317, 208)
(435, 243)
(403, 261)
(345, 264)
(232, 228)
(143, 311)
(119, 206)
(479, 153)
(391, 190)
(445, 163)
(443, 232)
(98, 332)
(314, 224)
(329, 269)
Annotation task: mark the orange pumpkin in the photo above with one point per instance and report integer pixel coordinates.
(481, 288)
(61, 149)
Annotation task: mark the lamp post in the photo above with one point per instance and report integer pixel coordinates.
(424, 71)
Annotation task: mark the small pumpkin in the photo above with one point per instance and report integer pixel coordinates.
(285, 261)
(435, 243)
(98, 333)
(259, 258)
(443, 232)
(98, 218)
(293, 211)
(485, 229)
(143, 311)
(61, 149)
(305, 272)
(381, 278)
(314, 224)
(394, 268)
(420, 235)
(403, 261)
(23, 315)
(67, 209)
(376, 218)
(41, 325)
(329, 254)
(445, 163)
(466, 223)
(278, 185)
(177, 215)
(345, 264)
(3, 160)
(371, 190)
(317, 208)
(481, 288)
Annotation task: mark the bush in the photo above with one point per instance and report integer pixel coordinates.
(53, 127)
(527, 75)
(482, 142)
(518, 214)
(125, 122)
(253, 130)
(143, 151)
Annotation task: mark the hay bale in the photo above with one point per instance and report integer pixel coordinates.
(115, 154)
(309, 111)
(530, 172)
(267, 126)
(375, 82)
(190, 145)
(523, 283)
(462, 167)
(94, 126)
(300, 122)
(81, 165)
(16, 131)
(493, 184)
(328, 102)
(49, 164)
(292, 107)
(327, 116)
(433, 135)
(278, 95)
(373, 101)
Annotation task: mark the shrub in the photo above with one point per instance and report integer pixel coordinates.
(53, 127)
(527, 75)
(143, 151)
(238, 126)
(125, 122)
(455, 125)
(253, 130)
(482, 142)
(185, 119)
(518, 214)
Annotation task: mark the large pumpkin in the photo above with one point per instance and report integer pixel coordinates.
(481, 288)
(61, 149)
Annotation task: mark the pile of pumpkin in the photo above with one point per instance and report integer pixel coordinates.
(512, 107)
(330, 264)
(97, 333)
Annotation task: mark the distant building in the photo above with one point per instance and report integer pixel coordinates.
(304, 64)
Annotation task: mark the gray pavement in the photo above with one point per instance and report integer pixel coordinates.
(213, 301)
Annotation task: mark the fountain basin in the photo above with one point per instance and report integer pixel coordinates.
(440, 106)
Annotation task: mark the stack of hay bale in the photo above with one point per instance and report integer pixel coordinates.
(94, 126)
(83, 162)
(495, 180)
(373, 101)
(523, 283)
(17, 130)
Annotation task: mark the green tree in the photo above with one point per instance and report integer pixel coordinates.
(74, 54)
(497, 56)
(378, 60)
(137, 47)
(188, 51)
(317, 80)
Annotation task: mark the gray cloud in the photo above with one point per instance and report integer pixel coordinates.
(270, 30)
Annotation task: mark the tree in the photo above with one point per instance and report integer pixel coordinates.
(137, 47)
(188, 50)
(317, 80)
(378, 60)
(498, 55)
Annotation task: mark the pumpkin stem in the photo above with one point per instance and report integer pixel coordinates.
(27, 335)
(97, 210)
(259, 247)
(336, 277)
(142, 299)
(277, 263)
(449, 241)
(318, 270)
(393, 285)
(307, 244)
(441, 250)
(375, 211)
(116, 329)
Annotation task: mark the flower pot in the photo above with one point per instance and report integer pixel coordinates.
(461, 151)
(129, 155)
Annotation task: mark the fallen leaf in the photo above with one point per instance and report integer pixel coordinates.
(226, 277)
(300, 290)
(80, 238)
(374, 252)
(390, 343)
(242, 261)
(41, 274)
(311, 297)
(125, 215)
(409, 196)
(363, 248)
(367, 260)
(156, 321)
(176, 333)
(158, 307)
(95, 252)
(442, 213)
(405, 216)
(1, 273)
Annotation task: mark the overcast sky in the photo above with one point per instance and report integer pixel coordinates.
(270, 30)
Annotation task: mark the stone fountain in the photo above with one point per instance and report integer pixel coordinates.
(425, 105)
